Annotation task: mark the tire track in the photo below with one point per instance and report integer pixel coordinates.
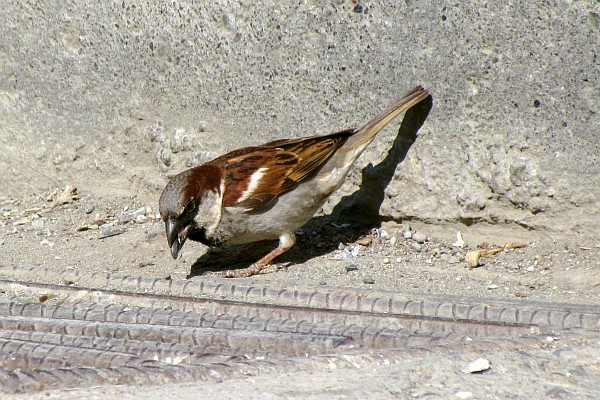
(103, 329)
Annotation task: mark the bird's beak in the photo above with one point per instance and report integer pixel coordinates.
(174, 238)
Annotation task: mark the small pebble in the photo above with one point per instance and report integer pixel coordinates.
(492, 286)
(351, 267)
(128, 216)
(406, 234)
(579, 371)
(89, 209)
(405, 227)
(386, 260)
(530, 269)
(357, 250)
(368, 280)
(464, 395)
(416, 246)
(393, 240)
(156, 213)
(47, 243)
(342, 255)
(419, 237)
(125, 217)
(479, 365)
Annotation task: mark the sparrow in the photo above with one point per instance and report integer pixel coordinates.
(266, 192)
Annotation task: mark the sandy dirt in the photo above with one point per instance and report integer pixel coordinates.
(84, 231)
(79, 230)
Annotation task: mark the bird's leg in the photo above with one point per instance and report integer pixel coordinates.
(286, 241)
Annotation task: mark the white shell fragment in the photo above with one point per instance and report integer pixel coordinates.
(479, 365)
(459, 240)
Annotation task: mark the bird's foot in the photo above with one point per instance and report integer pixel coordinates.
(254, 269)
(262, 266)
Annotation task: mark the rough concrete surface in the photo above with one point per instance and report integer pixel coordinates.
(112, 95)
(115, 97)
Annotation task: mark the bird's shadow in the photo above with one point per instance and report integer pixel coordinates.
(355, 216)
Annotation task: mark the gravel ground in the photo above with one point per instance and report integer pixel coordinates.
(67, 230)
(80, 231)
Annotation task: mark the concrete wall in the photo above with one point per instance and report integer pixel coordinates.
(114, 96)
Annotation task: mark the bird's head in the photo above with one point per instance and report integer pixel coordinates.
(190, 206)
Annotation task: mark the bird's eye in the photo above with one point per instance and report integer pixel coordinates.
(191, 206)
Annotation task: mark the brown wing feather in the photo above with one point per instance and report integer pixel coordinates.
(288, 163)
(238, 168)
(312, 151)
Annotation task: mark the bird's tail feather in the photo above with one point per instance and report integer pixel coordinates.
(367, 132)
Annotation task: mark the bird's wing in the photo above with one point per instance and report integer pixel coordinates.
(256, 176)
